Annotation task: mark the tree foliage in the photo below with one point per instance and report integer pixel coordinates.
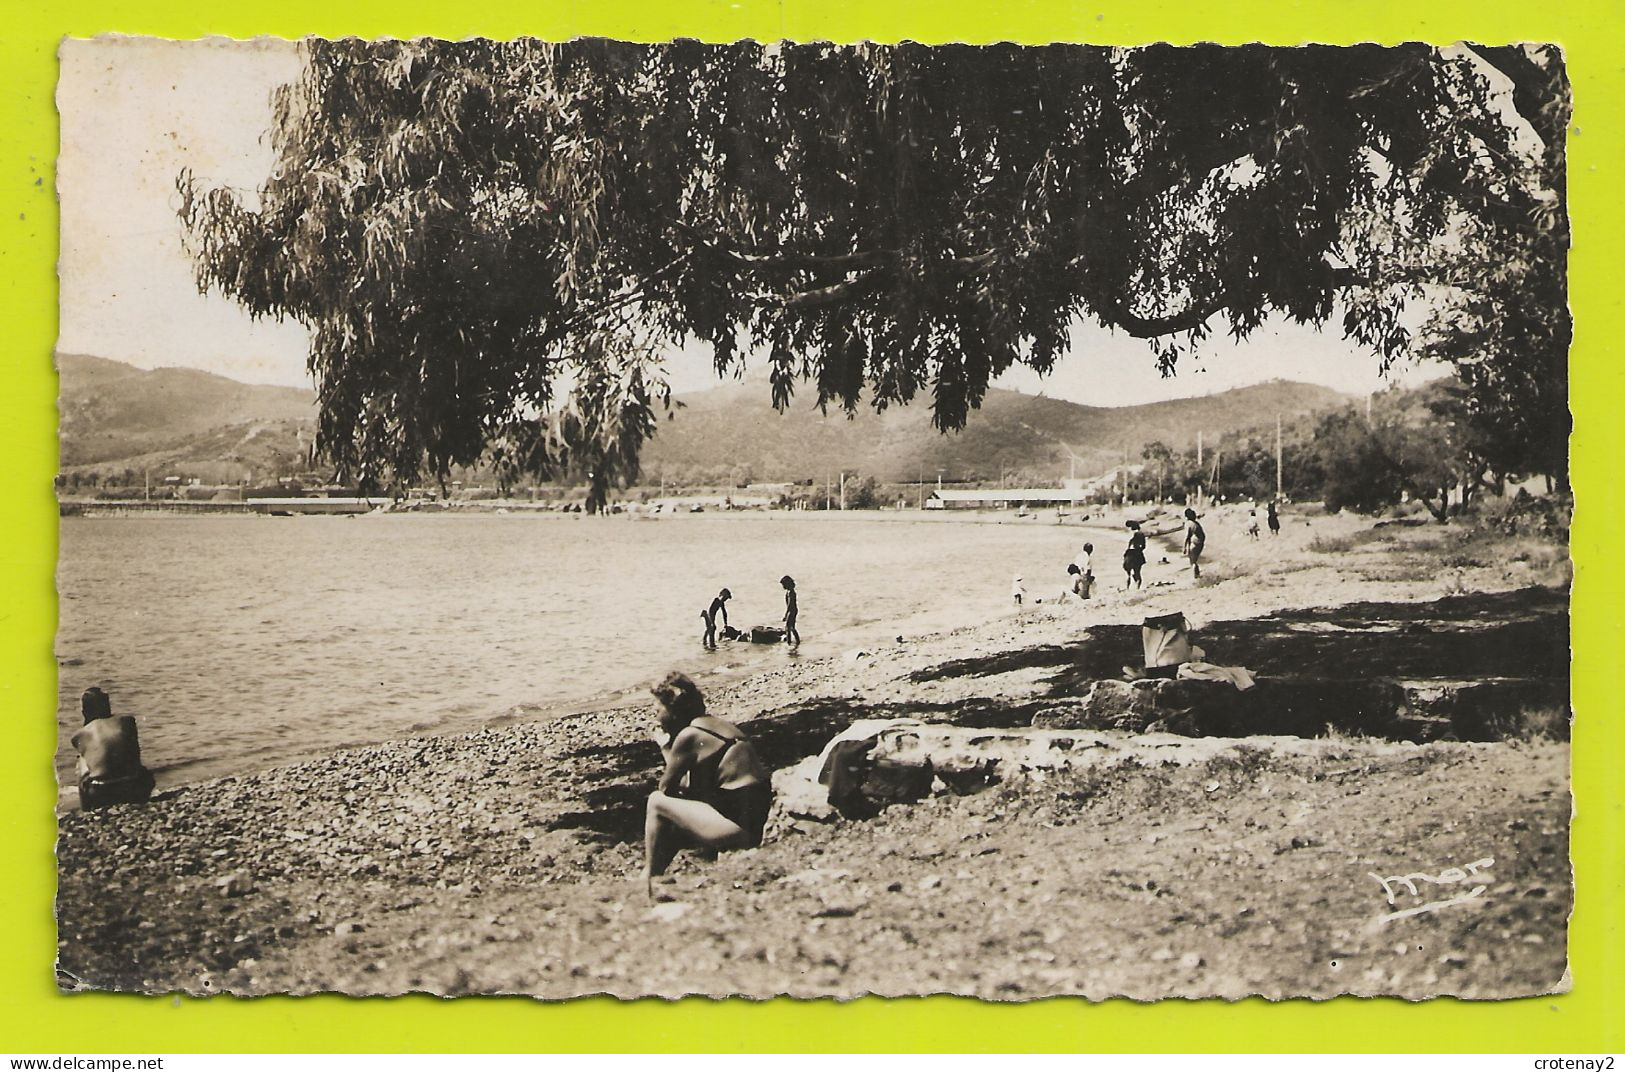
(490, 241)
(1505, 325)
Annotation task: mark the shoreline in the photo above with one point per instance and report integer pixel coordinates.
(732, 663)
(499, 860)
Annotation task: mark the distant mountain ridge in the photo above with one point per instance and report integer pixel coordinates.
(187, 419)
(111, 411)
(1011, 432)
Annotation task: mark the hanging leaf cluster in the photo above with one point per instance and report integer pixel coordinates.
(490, 241)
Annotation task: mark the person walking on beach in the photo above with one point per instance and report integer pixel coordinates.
(1273, 519)
(714, 792)
(719, 605)
(1018, 591)
(1134, 556)
(110, 768)
(1086, 570)
(791, 637)
(1195, 540)
(1252, 524)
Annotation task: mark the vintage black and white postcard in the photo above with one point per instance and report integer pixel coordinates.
(566, 518)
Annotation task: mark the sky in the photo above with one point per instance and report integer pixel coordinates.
(136, 111)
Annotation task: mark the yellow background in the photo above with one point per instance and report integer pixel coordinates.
(35, 1018)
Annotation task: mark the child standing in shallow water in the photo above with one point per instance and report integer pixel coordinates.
(719, 605)
(791, 637)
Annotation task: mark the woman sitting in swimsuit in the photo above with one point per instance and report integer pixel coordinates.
(714, 792)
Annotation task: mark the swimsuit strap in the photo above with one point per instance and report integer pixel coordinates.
(728, 742)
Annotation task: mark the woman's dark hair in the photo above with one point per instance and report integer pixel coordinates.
(725, 594)
(94, 704)
(1190, 513)
(1072, 567)
(787, 581)
(679, 695)
(1089, 547)
(1132, 524)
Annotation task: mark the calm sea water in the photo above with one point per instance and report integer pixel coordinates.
(241, 642)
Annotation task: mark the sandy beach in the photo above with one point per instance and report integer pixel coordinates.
(502, 861)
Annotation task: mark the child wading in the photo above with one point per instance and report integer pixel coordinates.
(791, 637)
(719, 605)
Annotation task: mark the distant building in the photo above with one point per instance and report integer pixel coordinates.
(954, 498)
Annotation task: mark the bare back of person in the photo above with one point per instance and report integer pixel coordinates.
(109, 748)
(726, 759)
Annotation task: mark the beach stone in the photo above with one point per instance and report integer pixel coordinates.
(670, 912)
(235, 885)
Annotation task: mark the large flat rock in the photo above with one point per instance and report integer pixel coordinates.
(1409, 710)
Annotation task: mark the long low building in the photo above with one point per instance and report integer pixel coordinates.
(948, 498)
(316, 505)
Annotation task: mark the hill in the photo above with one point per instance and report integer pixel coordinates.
(1012, 434)
(184, 420)
(111, 411)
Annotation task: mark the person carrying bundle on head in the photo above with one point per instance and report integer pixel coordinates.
(1133, 556)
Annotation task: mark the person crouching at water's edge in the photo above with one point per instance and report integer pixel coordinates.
(714, 792)
(791, 637)
(719, 605)
(110, 768)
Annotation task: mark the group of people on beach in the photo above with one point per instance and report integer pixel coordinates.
(719, 608)
(715, 793)
(1080, 571)
(1134, 554)
(1273, 519)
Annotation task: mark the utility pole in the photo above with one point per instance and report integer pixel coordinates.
(843, 490)
(920, 484)
(826, 491)
(1278, 445)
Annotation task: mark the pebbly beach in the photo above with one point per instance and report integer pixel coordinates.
(503, 860)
